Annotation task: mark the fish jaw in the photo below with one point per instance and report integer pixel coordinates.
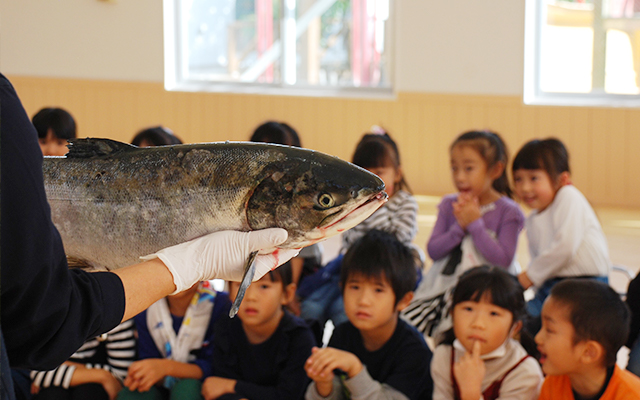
(344, 221)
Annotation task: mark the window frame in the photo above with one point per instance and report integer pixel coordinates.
(533, 95)
(173, 67)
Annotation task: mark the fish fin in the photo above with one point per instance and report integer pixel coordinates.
(94, 147)
(74, 262)
(247, 278)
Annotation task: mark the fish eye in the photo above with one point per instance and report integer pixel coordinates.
(325, 200)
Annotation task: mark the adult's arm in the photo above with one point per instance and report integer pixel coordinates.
(48, 311)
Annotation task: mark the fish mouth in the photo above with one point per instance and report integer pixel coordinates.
(340, 221)
(376, 201)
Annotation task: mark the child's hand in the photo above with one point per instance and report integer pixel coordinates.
(110, 384)
(469, 372)
(323, 361)
(214, 387)
(524, 280)
(145, 373)
(466, 209)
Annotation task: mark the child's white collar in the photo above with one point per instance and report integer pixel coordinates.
(497, 353)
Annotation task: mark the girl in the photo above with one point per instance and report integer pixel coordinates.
(260, 354)
(174, 345)
(478, 225)
(565, 236)
(484, 361)
(377, 153)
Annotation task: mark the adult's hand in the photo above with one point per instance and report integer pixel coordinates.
(222, 255)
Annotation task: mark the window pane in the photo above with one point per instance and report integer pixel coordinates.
(321, 43)
(587, 46)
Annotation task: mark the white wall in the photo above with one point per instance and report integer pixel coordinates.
(442, 46)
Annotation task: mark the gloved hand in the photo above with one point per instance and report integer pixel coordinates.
(222, 255)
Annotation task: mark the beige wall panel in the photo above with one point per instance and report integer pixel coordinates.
(600, 157)
(633, 157)
(603, 142)
(579, 147)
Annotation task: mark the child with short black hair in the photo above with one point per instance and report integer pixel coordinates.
(260, 353)
(584, 324)
(378, 153)
(55, 127)
(378, 354)
(479, 357)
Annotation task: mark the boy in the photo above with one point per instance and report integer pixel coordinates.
(260, 354)
(584, 324)
(377, 354)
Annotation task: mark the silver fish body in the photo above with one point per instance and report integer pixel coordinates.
(113, 202)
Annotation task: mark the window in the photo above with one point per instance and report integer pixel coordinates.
(582, 52)
(305, 47)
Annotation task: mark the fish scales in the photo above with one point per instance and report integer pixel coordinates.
(113, 202)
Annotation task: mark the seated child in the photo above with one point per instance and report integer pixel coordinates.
(584, 324)
(174, 344)
(260, 354)
(564, 234)
(95, 371)
(55, 126)
(484, 361)
(377, 354)
(377, 153)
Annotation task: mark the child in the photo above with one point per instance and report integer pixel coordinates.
(377, 354)
(155, 136)
(584, 324)
(478, 225)
(276, 132)
(55, 126)
(484, 361)
(565, 237)
(174, 344)
(260, 354)
(379, 154)
(95, 371)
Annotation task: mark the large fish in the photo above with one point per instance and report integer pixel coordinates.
(113, 202)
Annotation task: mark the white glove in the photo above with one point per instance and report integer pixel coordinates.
(222, 255)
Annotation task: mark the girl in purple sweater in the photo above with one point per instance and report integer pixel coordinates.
(477, 225)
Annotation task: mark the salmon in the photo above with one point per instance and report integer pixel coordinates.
(113, 202)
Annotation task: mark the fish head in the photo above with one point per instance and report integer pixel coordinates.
(313, 196)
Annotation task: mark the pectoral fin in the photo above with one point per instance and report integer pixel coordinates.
(247, 278)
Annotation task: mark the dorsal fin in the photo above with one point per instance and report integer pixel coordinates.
(93, 147)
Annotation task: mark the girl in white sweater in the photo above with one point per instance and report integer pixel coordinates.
(565, 236)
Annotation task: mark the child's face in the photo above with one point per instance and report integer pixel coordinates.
(534, 187)
(51, 145)
(369, 302)
(262, 301)
(559, 354)
(481, 321)
(469, 171)
(390, 175)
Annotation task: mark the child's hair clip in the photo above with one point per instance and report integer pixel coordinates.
(377, 130)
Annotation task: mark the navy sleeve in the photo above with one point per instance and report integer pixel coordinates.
(48, 311)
